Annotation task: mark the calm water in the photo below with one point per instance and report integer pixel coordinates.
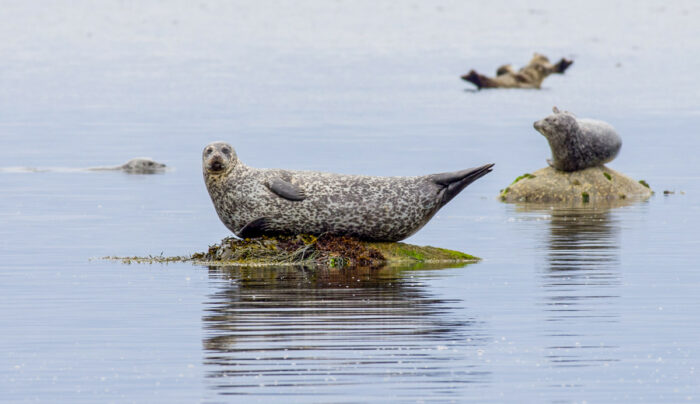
(587, 305)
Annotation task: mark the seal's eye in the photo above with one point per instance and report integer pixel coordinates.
(226, 151)
(209, 150)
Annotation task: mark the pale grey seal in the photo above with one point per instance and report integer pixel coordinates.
(138, 165)
(252, 202)
(578, 143)
(530, 76)
(142, 165)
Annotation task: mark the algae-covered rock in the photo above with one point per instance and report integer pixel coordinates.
(592, 185)
(326, 251)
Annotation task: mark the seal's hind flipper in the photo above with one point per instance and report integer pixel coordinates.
(562, 65)
(254, 229)
(455, 182)
(477, 79)
(286, 190)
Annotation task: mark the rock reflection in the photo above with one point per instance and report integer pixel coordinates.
(291, 331)
(580, 286)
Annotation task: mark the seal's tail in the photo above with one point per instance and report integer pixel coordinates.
(455, 182)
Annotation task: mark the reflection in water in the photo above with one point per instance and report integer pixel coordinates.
(290, 331)
(580, 286)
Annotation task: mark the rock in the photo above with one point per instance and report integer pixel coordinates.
(592, 185)
(306, 250)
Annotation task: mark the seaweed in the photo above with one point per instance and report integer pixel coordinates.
(307, 250)
(524, 176)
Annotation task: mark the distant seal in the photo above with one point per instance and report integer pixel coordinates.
(142, 165)
(252, 202)
(530, 76)
(578, 143)
(139, 165)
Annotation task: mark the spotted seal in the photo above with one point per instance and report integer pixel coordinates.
(252, 202)
(530, 76)
(578, 143)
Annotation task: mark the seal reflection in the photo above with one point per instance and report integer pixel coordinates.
(293, 331)
(581, 285)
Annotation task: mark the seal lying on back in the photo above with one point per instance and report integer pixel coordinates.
(530, 76)
(578, 143)
(253, 202)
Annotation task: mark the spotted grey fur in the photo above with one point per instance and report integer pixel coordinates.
(252, 202)
(578, 143)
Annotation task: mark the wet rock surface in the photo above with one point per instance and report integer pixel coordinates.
(592, 185)
(306, 250)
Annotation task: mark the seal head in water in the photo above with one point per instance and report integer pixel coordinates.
(142, 165)
(252, 202)
(578, 143)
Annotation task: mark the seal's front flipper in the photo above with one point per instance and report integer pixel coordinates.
(455, 182)
(286, 190)
(505, 69)
(255, 229)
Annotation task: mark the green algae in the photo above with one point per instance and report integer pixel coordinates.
(524, 176)
(507, 189)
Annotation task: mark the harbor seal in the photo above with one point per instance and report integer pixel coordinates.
(138, 165)
(142, 165)
(578, 143)
(252, 202)
(530, 76)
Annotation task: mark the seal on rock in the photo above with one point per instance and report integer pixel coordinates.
(530, 76)
(578, 143)
(252, 202)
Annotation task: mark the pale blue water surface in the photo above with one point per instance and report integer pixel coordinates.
(567, 306)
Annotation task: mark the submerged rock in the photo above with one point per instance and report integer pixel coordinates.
(306, 250)
(592, 185)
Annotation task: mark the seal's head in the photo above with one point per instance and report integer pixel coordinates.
(143, 165)
(557, 126)
(218, 158)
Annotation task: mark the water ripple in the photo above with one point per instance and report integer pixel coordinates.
(287, 331)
